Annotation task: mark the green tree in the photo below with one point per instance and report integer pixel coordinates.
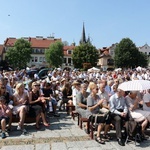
(85, 53)
(128, 55)
(142, 59)
(19, 55)
(54, 55)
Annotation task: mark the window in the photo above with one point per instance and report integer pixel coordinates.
(34, 50)
(44, 59)
(146, 53)
(69, 60)
(65, 61)
(43, 51)
(145, 47)
(35, 59)
(69, 51)
(110, 62)
(41, 59)
(111, 52)
(32, 59)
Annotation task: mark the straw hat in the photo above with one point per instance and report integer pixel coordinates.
(63, 80)
(76, 83)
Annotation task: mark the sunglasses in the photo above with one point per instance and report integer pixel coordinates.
(36, 85)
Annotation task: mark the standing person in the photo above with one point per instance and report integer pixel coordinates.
(119, 112)
(4, 115)
(37, 102)
(20, 99)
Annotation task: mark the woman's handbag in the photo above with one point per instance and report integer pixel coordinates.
(100, 117)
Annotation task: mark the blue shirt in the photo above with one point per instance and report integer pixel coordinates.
(117, 103)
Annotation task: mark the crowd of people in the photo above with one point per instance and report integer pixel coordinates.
(90, 92)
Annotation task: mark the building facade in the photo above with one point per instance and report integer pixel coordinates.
(39, 45)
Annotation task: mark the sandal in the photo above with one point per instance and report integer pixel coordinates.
(106, 137)
(99, 140)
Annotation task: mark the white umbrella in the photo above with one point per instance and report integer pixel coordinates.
(93, 69)
(118, 69)
(135, 85)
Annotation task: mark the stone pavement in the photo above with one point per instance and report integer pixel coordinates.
(63, 134)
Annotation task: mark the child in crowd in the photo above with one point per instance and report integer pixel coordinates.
(4, 119)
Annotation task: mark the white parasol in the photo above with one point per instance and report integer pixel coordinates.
(135, 85)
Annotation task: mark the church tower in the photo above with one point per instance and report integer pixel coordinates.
(83, 37)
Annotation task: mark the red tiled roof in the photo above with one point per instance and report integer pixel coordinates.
(42, 43)
(66, 48)
(10, 41)
(1, 49)
(35, 42)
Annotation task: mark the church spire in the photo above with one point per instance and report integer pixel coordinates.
(83, 37)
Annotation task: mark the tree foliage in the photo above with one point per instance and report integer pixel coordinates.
(54, 55)
(128, 55)
(4, 65)
(19, 55)
(85, 53)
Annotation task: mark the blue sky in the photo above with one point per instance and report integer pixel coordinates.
(106, 21)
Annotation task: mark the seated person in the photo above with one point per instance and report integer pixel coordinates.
(119, 112)
(37, 102)
(137, 114)
(105, 107)
(75, 91)
(81, 106)
(94, 104)
(48, 94)
(5, 93)
(4, 117)
(146, 101)
(20, 99)
(67, 95)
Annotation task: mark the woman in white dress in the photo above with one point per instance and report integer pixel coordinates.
(20, 99)
(137, 114)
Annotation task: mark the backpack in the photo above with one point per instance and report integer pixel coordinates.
(133, 131)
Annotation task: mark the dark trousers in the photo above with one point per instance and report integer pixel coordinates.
(118, 121)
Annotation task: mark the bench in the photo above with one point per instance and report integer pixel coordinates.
(81, 120)
(28, 119)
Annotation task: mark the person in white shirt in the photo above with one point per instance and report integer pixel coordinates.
(76, 90)
(146, 100)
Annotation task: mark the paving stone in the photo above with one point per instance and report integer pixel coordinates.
(58, 146)
(94, 148)
(90, 143)
(47, 134)
(77, 149)
(63, 134)
(18, 147)
(42, 146)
